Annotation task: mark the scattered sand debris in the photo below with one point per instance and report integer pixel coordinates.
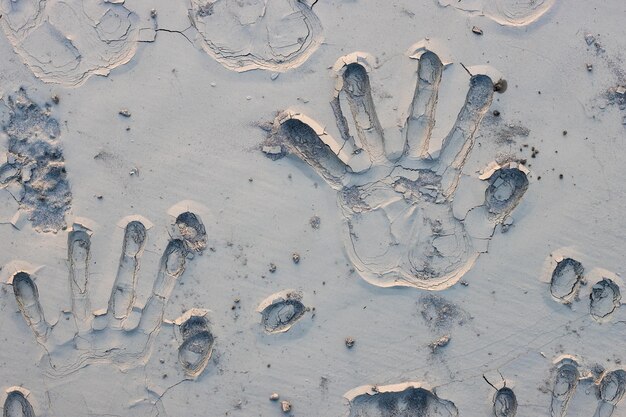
(436, 344)
(439, 313)
(350, 342)
(33, 170)
(285, 406)
(273, 151)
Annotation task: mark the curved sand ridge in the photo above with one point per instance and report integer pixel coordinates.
(505, 12)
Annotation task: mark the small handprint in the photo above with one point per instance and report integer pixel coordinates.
(401, 229)
(87, 352)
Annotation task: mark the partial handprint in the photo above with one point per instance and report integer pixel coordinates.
(608, 388)
(66, 42)
(567, 279)
(505, 12)
(401, 229)
(86, 353)
(275, 35)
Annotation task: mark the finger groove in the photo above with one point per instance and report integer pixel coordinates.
(358, 93)
(123, 292)
(421, 119)
(27, 297)
(459, 142)
(79, 248)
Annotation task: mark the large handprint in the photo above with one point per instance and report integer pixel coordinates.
(401, 229)
(86, 353)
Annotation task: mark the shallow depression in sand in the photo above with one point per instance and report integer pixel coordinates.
(505, 12)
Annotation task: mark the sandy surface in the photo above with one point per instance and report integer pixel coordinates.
(204, 204)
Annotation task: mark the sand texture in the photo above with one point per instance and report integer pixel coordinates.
(346, 208)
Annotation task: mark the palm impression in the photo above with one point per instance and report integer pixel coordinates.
(504, 12)
(66, 42)
(401, 228)
(243, 35)
(110, 349)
